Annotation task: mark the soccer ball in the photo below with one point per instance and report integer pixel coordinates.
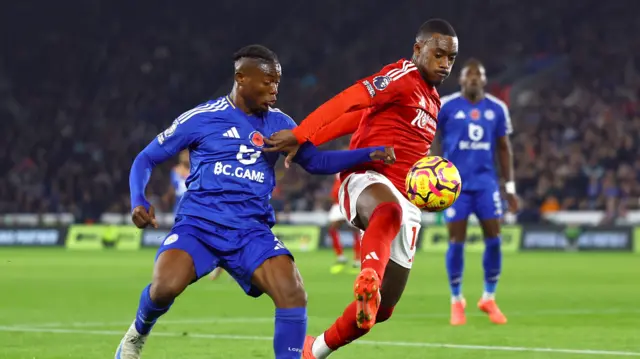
(433, 184)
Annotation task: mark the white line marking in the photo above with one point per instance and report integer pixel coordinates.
(161, 321)
(398, 317)
(360, 342)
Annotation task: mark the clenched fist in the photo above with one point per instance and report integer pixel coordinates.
(142, 218)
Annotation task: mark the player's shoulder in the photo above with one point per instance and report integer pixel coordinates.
(497, 103)
(395, 72)
(217, 108)
(282, 119)
(450, 99)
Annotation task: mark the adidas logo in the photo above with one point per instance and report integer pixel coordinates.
(232, 133)
(279, 244)
(460, 115)
(371, 255)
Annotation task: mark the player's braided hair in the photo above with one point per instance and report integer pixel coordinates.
(256, 52)
(435, 26)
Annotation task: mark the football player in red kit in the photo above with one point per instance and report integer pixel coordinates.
(398, 107)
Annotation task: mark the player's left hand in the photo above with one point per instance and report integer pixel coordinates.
(388, 155)
(281, 141)
(514, 202)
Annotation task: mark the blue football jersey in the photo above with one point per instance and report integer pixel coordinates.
(469, 133)
(179, 185)
(231, 178)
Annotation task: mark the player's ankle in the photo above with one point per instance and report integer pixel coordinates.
(488, 295)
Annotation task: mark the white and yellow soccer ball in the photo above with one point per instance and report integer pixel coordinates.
(433, 184)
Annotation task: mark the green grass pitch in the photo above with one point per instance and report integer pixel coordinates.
(58, 304)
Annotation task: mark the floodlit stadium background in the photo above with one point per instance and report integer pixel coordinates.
(84, 85)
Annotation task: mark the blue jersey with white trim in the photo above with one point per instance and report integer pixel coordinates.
(231, 178)
(469, 133)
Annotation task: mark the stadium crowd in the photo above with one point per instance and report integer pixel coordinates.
(83, 89)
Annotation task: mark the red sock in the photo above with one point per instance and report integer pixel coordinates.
(345, 330)
(335, 239)
(356, 246)
(384, 225)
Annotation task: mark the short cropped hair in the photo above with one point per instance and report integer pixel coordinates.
(256, 52)
(435, 26)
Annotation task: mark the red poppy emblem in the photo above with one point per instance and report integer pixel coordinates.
(475, 114)
(256, 139)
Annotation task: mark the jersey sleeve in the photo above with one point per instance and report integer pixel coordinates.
(504, 127)
(352, 99)
(183, 132)
(344, 125)
(385, 86)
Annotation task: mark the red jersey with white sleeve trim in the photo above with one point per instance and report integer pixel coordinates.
(403, 114)
(336, 189)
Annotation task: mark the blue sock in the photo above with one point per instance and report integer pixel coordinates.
(148, 312)
(492, 263)
(455, 266)
(291, 329)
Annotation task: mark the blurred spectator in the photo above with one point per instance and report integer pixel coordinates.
(84, 88)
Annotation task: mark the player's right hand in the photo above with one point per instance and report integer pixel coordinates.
(281, 141)
(388, 155)
(142, 218)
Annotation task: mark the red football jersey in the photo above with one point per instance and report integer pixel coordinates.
(403, 114)
(336, 189)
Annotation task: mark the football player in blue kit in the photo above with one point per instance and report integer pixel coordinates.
(224, 219)
(473, 126)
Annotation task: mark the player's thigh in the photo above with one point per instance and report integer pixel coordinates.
(488, 209)
(280, 279)
(361, 193)
(393, 284)
(265, 265)
(372, 196)
(181, 259)
(456, 217)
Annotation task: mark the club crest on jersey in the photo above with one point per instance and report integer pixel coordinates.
(256, 139)
(489, 115)
(474, 114)
(381, 82)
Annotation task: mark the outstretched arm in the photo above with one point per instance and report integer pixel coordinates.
(141, 170)
(342, 126)
(352, 99)
(329, 162)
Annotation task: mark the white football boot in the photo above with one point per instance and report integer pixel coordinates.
(131, 345)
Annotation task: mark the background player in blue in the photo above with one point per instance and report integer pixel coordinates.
(473, 126)
(225, 218)
(179, 174)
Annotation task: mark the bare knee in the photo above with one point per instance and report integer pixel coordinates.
(373, 199)
(457, 231)
(281, 280)
(172, 274)
(290, 297)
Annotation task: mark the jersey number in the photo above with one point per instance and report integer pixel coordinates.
(414, 235)
(247, 156)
